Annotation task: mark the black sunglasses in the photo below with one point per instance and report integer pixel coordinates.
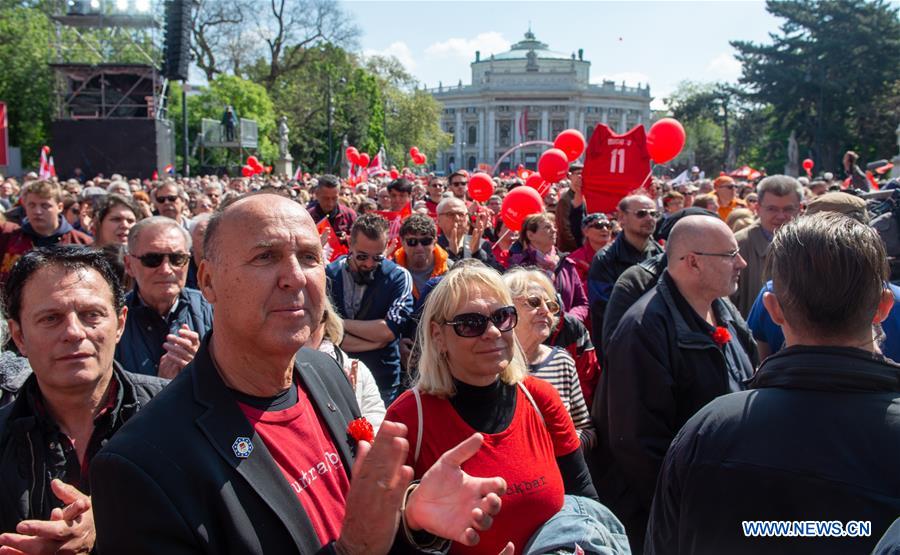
(155, 259)
(363, 256)
(643, 213)
(165, 199)
(474, 324)
(415, 242)
(601, 225)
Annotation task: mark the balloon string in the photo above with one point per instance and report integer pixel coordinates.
(641, 186)
(503, 235)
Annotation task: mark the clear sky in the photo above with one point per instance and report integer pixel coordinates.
(639, 42)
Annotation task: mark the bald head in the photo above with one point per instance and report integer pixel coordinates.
(696, 234)
(247, 211)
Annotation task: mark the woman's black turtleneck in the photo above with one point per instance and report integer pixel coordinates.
(490, 410)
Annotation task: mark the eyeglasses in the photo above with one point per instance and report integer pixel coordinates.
(416, 241)
(459, 183)
(535, 302)
(164, 199)
(474, 324)
(601, 225)
(732, 255)
(155, 259)
(453, 214)
(363, 256)
(643, 213)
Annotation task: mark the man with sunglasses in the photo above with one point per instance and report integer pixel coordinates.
(419, 252)
(725, 189)
(166, 320)
(168, 200)
(679, 347)
(637, 215)
(459, 182)
(374, 297)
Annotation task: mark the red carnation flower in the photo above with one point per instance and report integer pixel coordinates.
(361, 430)
(721, 336)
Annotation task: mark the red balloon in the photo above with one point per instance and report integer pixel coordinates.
(424, 158)
(553, 165)
(395, 174)
(413, 152)
(419, 159)
(536, 182)
(808, 164)
(665, 140)
(518, 204)
(352, 155)
(481, 187)
(363, 160)
(253, 162)
(572, 142)
(247, 171)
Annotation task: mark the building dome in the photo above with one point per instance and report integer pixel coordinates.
(521, 50)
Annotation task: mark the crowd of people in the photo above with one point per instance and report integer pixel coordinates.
(264, 365)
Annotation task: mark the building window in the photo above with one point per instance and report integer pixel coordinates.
(557, 126)
(473, 135)
(531, 129)
(472, 163)
(504, 130)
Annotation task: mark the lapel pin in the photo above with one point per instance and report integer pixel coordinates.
(332, 407)
(242, 447)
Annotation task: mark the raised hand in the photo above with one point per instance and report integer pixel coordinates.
(452, 504)
(180, 351)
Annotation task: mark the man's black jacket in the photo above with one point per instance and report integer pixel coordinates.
(660, 371)
(815, 438)
(170, 482)
(33, 450)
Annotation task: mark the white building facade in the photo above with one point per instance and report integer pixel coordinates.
(530, 93)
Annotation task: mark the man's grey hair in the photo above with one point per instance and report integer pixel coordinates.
(779, 185)
(450, 202)
(154, 222)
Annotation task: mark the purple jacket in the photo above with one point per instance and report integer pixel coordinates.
(571, 290)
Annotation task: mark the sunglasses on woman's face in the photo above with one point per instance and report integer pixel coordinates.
(474, 324)
(535, 302)
(601, 225)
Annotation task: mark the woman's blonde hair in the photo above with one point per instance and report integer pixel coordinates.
(461, 284)
(520, 280)
(334, 326)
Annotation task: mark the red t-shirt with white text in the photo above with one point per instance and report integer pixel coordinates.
(614, 166)
(299, 442)
(524, 455)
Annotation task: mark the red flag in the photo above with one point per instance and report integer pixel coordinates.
(333, 247)
(44, 171)
(391, 215)
(4, 137)
(872, 181)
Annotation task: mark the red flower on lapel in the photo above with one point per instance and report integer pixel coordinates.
(721, 336)
(361, 430)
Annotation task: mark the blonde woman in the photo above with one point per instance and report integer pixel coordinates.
(473, 377)
(538, 309)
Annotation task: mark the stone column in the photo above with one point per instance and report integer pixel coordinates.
(623, 122)
(604, 115)
(571, 123)
(517, 137)
(481, 152)
(459, 138)
(492, 137)
(581, 120)
(545, 125)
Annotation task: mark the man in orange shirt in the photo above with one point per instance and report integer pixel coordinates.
(724, 187)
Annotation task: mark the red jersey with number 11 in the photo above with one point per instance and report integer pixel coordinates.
(614, 165)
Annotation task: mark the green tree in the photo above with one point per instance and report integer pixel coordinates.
(26, 79)
(416, 122)
(249, 100)
(828, 75)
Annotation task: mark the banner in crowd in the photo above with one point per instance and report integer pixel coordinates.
(614, 165)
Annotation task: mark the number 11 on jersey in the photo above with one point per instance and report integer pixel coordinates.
(617, 160)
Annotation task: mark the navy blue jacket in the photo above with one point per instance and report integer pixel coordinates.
(815, 438)
(388, 297)
(141, 346)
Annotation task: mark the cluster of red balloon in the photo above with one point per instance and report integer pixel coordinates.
(665, 140)
(808, 165)
(418, 158)
(253, 167)
(357, 158)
